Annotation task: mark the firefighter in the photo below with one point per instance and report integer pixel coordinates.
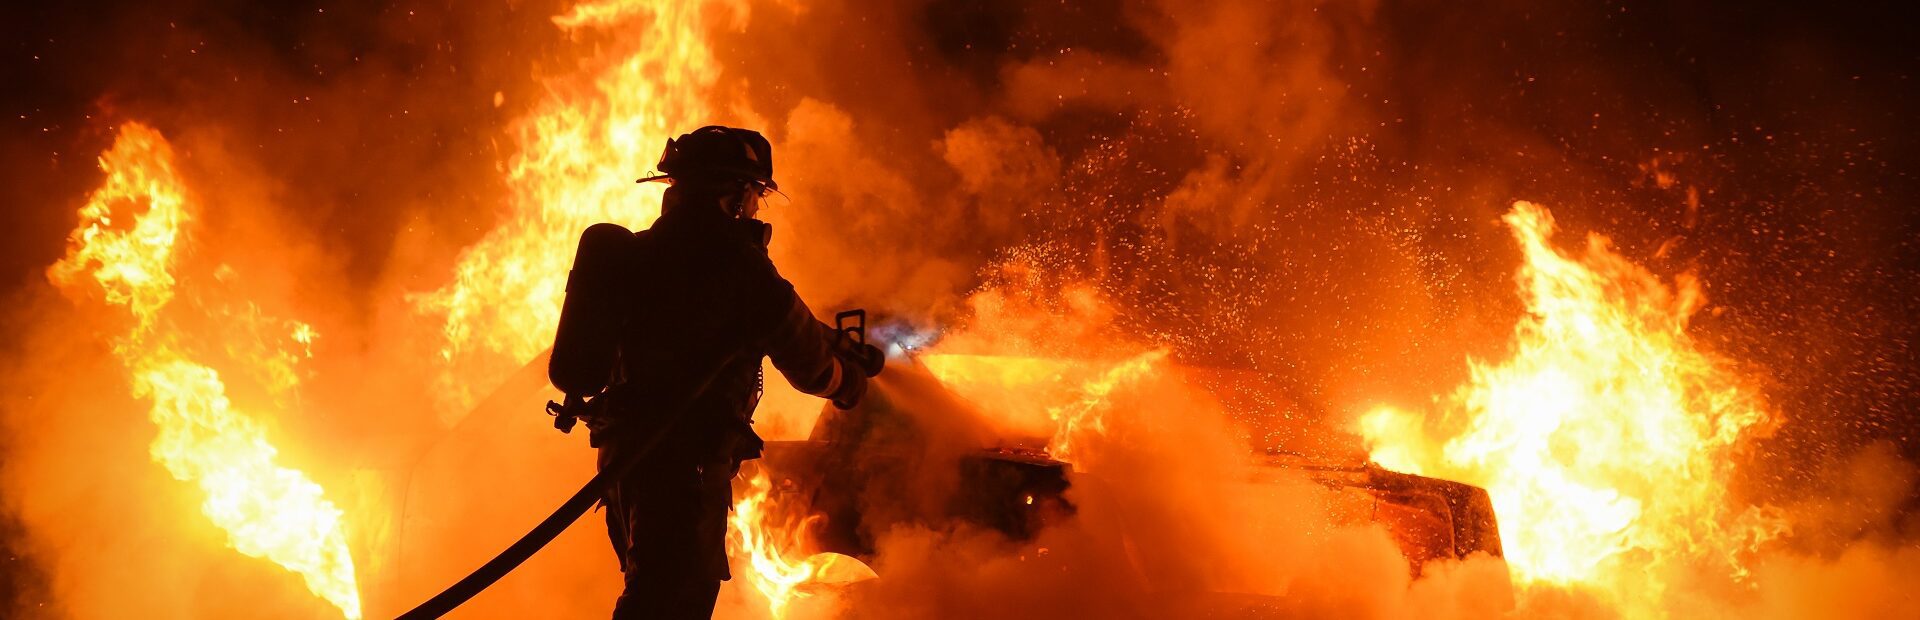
(696, 305)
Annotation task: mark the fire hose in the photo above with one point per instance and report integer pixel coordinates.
(535, 539)
(850, 344)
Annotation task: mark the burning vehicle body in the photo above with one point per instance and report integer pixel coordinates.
(865, 471)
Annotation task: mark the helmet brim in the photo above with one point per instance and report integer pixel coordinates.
(668, 177)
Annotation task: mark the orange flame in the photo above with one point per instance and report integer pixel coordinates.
(268, 511)
(1605, 439)
(760, 537)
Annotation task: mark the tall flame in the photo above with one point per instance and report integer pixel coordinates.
(267, 510)
(1605, 439)
(580, 150)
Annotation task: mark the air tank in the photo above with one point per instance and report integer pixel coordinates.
(585, 343)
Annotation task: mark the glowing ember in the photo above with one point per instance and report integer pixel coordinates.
(1605, 439)
(759, 536)
(268, 511)
(579, 152)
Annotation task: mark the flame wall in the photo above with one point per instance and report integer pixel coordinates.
(1306, 191)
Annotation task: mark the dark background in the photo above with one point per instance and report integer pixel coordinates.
(1796, 117)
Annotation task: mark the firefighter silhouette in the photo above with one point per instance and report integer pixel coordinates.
(659, 351)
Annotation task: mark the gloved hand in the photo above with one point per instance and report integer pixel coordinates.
(853, 385)
(868, 358)
(856, 359)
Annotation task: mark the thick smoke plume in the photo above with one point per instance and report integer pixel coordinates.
(1304, 193)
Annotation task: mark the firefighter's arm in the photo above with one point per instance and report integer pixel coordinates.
(802, 349)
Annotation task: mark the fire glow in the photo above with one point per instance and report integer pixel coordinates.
(1610, 439)
(1602, 367)
(127, 256)
(1606, 439)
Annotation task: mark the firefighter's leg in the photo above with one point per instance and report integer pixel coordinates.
(666, 595)
(676, 551)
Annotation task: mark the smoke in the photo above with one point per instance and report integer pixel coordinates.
(1307, 191)
(1172, 515)
(1303, 192)
(1852, 544)
(1313, 190)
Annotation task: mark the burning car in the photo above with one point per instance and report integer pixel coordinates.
(909, 456)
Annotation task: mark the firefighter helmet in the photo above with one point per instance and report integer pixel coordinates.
(721, 153)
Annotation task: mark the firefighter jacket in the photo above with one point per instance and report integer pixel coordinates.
(703, 304)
